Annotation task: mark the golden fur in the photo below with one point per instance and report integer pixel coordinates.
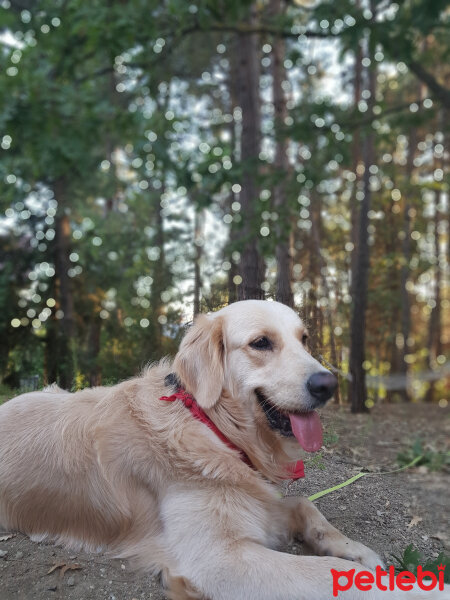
(121, 470)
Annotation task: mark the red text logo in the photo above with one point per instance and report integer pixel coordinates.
(387, 580)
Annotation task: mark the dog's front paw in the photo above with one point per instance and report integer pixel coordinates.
(350, 550)
(364, 555)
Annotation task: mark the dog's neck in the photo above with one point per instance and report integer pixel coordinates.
(198, 413)
(292, 470)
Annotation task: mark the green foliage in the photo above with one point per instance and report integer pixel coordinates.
(330, 436)
(6, 393)
(122, 117)
(434, 460)
(412, 558)
(316, 461)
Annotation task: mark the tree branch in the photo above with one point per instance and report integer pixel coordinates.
(243, 28)
(439, 91)
(388, 111)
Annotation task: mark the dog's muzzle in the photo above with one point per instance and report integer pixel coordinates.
(276, 418)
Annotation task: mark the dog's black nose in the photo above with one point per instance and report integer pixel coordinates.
(322, 385)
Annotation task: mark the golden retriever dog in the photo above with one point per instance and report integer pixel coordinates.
(177, 469)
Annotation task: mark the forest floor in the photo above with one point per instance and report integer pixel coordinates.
(386, 512)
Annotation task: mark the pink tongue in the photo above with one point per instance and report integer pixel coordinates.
(308, 430)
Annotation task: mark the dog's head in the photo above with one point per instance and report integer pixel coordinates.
(256, 353)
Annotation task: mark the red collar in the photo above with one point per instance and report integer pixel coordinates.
(296, 470)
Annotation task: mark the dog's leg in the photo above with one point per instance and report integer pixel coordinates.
(323, 538)
(179, 588)
(249, 571)
(218, 547)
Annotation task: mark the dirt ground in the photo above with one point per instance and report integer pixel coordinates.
(386, 512)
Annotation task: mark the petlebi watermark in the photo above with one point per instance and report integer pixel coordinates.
(387, 580)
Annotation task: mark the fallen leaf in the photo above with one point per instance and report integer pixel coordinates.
(71, 567)
(356, 451)
(64, 568)
(6, 536)
(55, 566)
(414, 521)
(442, 537)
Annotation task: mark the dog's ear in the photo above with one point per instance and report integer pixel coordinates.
(199, 362)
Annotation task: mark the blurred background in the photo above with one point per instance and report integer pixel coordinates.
(164, 158)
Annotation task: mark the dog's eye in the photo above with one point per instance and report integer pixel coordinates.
(262, 343)
(305, 337)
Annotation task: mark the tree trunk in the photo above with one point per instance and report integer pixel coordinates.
(247, 71)
(355, 153)
(160, 281)
(358, 321)
(434, 325)
(51, 352)
(234, 271)
(406, 251)
(281, 164)
(95, 373)
(314, 274)
(198, 228)
(234, 196)
(357, 387)
(66, 304)
(435, 322)
(315, 236)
